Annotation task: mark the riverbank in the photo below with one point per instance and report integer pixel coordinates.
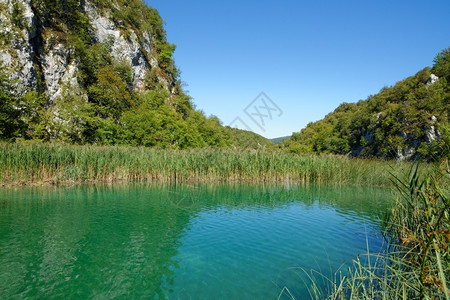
(56, 164)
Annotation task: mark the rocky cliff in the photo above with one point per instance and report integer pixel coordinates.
(39, 52)
(94, 71)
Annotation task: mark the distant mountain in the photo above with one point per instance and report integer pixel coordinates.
(406, 121)
(248, 139)
(279, 139)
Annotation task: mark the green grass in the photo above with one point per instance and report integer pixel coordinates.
(37, 163)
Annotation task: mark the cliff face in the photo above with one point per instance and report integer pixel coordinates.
(94, 71)
(37, 50)
(17, 54)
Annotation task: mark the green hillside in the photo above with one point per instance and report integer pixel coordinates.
(279, 140)
(248, 139)
(408, 120)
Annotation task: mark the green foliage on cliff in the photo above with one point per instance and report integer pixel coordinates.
(8, 113)
(105, 107)
(411, 115)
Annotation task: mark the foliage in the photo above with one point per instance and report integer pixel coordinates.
(162, 128)
(279, 140)
(9, 122)
(17, 15)
(33, 117)
(442, 64)
(210, 129)
(110, 94)
(398, 118)
(20, 116)
(249, 140)
(76, 115)
(419, 227)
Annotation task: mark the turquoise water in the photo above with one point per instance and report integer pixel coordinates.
(180, 241)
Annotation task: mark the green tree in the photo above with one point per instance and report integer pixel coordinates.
(33, 117)
(110, 94)
(9, 113)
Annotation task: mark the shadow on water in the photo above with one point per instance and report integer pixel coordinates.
(173, 241)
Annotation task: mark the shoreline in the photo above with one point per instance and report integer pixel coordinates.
(34, 164)
(54, 183)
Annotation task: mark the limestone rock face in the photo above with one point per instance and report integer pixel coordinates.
(32, 58)
(405, 154)
(432, 79)
(54, 66)
(136, 53)
(17, 53)
(431, 133)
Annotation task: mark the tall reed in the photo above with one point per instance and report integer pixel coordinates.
(35, 163)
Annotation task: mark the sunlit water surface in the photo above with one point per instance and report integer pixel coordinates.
(181, 241)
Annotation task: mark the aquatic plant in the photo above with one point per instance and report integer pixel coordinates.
(45, 163)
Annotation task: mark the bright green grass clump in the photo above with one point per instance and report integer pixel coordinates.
(34, 163)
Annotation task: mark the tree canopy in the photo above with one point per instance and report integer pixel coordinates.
(411, 116)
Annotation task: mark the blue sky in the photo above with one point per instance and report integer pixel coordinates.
(306, 56)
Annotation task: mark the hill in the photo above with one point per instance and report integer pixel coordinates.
(248, 139)
(406, 121)
(97, 72)
(279, 139)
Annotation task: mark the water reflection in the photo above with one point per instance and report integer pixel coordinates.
(174, 241)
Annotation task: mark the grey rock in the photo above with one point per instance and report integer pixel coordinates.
(26, 55)
(136, 53)
(432, 79)
(405, 153)
(54, 65)
(432, 134)
(18, 56)
(5, 58)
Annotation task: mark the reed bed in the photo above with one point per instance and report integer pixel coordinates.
(41, 163)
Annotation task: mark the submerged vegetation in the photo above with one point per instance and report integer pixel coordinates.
(35, 163)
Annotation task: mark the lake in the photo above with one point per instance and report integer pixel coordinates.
(154, 241)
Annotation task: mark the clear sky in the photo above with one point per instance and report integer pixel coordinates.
(306, 56)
